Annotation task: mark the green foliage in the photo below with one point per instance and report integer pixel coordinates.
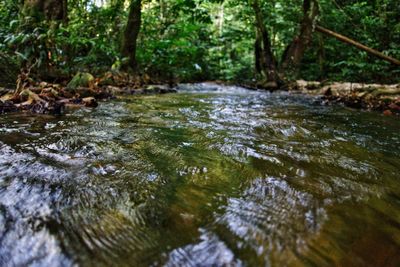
(86, 42)
(81, 80)
(190, 40)
(173, 45)
(375, 24)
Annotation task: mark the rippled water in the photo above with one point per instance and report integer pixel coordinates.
(211, 176)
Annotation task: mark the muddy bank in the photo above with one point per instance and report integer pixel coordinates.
(83, 90)
(379, 97)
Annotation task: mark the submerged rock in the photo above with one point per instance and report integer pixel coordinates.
(90, 102)
(7, 106)
(51, 107)
(149, 90)
(159, 89)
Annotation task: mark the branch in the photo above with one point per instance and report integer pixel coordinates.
(360, 46)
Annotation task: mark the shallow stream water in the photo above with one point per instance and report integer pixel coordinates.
(211, 176)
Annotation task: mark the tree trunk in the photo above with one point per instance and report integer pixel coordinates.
(49, 9)
(65, 11)
(294, 53)
(358, 45)
(131, 33)
(52, 11)
(257, 54)
(265, 60)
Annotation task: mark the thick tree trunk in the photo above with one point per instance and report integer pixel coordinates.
(131, 33)
(257, 54)
(49, 9)
(358, 45)
(294, 53)
(265, 60)
(54, 12)
(65, 11)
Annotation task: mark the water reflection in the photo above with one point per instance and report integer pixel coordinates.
(213, 175)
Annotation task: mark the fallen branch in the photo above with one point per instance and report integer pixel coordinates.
(367, 49)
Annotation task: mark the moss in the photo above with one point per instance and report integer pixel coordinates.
(81, 79)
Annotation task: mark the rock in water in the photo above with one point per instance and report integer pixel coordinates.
(158, 89)
(90, 102)
(7, 106)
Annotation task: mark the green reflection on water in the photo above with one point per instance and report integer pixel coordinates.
(224, 178)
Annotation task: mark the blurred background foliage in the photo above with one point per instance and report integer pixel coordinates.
(192, 40)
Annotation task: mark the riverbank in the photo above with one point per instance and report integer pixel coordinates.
(83, 90)
(383, 98)
(377, 97)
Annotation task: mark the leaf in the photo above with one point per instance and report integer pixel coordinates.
(13, 24)
(21, 55)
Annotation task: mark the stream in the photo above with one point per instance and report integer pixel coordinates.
(211, 176)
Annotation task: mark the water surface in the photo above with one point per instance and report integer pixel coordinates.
(211, 176)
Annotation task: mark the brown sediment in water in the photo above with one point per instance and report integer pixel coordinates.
(214, 176)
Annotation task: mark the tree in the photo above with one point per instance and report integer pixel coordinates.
(294, 52)
(49, 9)
(132, 29)
(192, 40)
(275, 72)
(264, 58)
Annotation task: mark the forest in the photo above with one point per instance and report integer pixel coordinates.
(198, 40)
(259, 44)
(199, 133)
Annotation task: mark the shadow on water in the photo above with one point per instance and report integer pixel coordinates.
(213, 175)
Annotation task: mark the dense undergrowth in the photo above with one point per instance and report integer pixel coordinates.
(123, 45)
(193, 40)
